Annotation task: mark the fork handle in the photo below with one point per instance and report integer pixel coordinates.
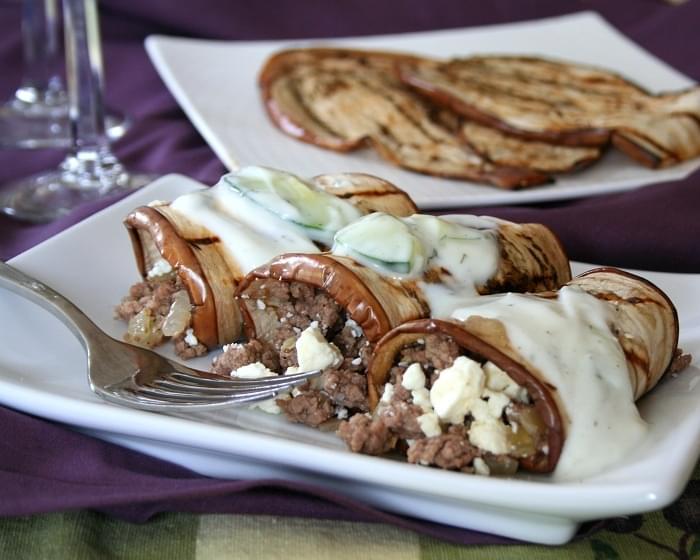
(48, 298)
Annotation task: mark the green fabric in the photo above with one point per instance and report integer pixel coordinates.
(87, 536)
(671, 533)
(180, 536)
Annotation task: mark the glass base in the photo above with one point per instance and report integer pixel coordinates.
(45, 125)
(51, 195)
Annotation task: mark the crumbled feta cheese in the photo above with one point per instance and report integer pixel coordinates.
(490, 435)
(421, 397)
(355, 329)
(257, 370)
(413, 378)
(341, 412)
(315, 352)
(499, 381)
(270, 405)
(480, 467)
(388, 393)
(283, 320)
(479, 410)
(190, 338)
(260, 304)
(429, 424)
(296, 330)
(356, 361)
(160, 268)
(456, 389)
(497, 402)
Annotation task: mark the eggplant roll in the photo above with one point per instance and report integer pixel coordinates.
(543, 382)
(354, 298)
(192, 252)
(343, 100)
(563, 103)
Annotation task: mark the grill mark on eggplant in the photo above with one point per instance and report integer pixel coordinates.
(294, 88)
(610, 79)
(496, 91)
(564, 88)
(380, 90)
(203, 240)
(635, 359)
(634, 300)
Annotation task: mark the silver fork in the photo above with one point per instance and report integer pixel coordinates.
(129, 375)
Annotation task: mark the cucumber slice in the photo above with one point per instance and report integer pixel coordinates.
(382, 242)
(435, 231)
(467, 249)
(293, 200)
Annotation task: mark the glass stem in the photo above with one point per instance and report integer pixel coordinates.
(41, 83)
(91, 157)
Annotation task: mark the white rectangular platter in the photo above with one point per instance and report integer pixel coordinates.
(215, 82)
(43, 372)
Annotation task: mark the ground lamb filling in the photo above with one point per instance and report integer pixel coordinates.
(445, 409)
(287, 314)
(158, 309)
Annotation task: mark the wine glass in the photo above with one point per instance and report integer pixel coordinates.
(37, 114)
(90, 170)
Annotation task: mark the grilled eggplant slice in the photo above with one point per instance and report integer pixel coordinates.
(506, 149)
(556, 410)
(563, 103)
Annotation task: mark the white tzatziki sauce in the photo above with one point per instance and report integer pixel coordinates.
(461, 250)
(251, 234)
(316, 213)
(568, 339)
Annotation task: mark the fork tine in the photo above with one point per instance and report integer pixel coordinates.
(167, 384)
(176, 396)
(164, 390)
(212, 395)
(155, 404)
(233, 382)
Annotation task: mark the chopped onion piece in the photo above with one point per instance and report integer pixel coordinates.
(141, 329)
(178, 318)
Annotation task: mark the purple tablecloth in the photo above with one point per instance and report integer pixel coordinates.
(45, 467)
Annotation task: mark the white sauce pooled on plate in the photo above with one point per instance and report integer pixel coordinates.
(570, 342)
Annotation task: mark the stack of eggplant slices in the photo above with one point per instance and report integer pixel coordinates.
(508, 121)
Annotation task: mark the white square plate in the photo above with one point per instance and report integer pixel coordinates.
(215, 82)
(43, 372)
